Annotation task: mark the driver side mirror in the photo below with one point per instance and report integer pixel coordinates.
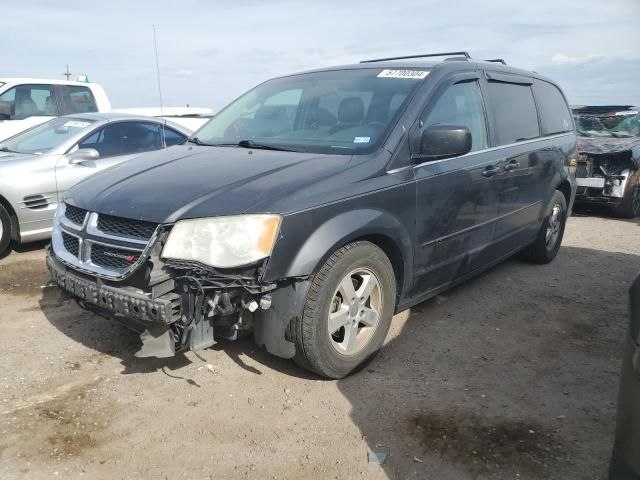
(442, 141)
(83, 155)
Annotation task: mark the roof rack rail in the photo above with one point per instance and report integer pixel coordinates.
(496, 60)
(446, 54)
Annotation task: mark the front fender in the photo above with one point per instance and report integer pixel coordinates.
(306, 243)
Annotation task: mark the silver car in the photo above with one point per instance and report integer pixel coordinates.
(37, 166)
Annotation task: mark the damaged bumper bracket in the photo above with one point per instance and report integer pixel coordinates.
(128, 304)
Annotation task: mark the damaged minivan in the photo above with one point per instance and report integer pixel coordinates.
(608, 169)
(315, 206)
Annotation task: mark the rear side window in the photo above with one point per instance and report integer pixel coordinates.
(78, 99)
(514, 112)
(555, 116)
(26, 101)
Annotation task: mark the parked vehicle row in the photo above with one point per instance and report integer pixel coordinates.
(27, 102)
(315, 206)
(39, 165)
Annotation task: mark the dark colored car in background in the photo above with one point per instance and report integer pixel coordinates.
(608, 170)
(317, 205)
(625, 461)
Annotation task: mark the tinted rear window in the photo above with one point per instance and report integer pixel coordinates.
(514, 112)
(555, 116)
(79, 100)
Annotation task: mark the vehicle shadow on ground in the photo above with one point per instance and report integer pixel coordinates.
(510, 375)
(24, 248)
(600, 211)
(102, 334)
(111, 338)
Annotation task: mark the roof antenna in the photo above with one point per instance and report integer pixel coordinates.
(155, 45)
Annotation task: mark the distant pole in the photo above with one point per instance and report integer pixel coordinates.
(67, 73)
(155, 45)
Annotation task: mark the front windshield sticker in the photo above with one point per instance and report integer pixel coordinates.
(627, 112)
(77, 124)
(361, 139)
(415, 74)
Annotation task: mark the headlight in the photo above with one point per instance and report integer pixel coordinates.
(223, 242)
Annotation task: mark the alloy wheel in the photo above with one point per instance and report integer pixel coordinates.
(553, 229)
(355, 310)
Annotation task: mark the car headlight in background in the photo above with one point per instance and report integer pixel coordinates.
(223, 242)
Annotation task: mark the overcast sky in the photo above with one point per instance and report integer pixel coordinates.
(212, 51)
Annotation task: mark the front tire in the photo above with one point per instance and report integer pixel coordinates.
(347, 311)
(5, 230)
(549, 238)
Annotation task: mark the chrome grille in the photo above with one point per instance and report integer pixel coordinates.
(126, 227)
(71, 244)
(103, 245)
(75, 214)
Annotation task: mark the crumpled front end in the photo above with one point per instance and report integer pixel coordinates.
(113, 266)
(605, 177)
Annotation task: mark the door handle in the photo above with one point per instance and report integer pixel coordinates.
(490, 171)
(512, 165)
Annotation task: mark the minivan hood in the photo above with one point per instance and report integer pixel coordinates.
(194, 181)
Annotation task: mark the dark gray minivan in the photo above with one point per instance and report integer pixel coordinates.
(317, 205)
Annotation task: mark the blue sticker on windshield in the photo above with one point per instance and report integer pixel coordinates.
(361, 139)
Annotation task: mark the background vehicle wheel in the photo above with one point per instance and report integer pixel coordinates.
(630, 206)
(546, 246)
(5, 230)
(347, 312)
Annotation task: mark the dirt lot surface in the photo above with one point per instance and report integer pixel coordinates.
(511, 375)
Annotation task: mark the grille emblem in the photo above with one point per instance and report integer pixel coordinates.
(120, 256)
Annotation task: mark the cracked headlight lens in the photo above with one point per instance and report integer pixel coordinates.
(223, 242)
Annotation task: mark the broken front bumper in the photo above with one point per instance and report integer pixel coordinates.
(118, 301)
(184, 316)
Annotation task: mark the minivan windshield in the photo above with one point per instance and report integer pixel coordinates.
(46, 137)
(341, 111)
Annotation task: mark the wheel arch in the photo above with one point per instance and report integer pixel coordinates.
(393, 253)
(567, 190)
(376, 226)
(15, 226)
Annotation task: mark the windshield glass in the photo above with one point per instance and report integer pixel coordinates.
(589, 126)
(345, 111)
(47, 136)
(627, 126)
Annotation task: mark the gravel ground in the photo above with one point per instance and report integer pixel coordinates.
(511, 375)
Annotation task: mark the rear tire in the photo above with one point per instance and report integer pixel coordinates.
(630, 205)
(5, 230)
(549, 238)
(347, 312)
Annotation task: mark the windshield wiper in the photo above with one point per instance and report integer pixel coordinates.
(7, 149)
(197, 141)
(263, 146)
